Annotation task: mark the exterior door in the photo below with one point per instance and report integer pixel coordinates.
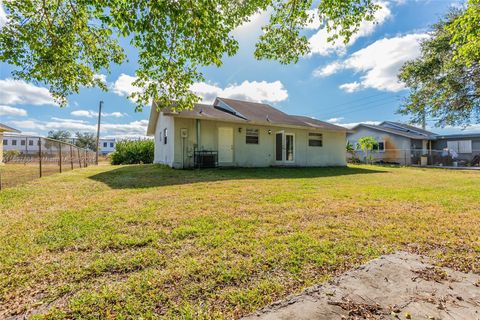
(225, 144)
(289, 147)
(279, 147)
(284, 147)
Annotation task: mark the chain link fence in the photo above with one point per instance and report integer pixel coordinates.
(28, 157)
(434, 158)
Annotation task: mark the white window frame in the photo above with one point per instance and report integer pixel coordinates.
(255, 131)
(315, 136)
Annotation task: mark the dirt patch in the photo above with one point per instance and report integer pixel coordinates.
(396, 286)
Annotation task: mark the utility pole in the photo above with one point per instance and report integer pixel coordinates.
(424, 119)
(98, 130)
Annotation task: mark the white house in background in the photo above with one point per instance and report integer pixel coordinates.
(30, 144)
(245, 134)
(106, 145)
(4, 128)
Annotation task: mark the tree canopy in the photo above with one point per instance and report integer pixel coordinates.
(65, 44)
(86, 140)
(444, 81)
(60, 135)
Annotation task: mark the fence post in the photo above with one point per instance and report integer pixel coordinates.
(79, 158)
(40, 155)
(71, 157)
(405, 153)
(85, 158)
(60, 156)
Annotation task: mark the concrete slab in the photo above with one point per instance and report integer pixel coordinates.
(396, 286)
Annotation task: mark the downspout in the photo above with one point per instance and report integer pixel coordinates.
(197, 129)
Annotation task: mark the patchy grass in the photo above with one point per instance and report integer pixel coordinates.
(16, 173)
(149, 242)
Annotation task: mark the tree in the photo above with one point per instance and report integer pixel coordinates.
(65, 44)
(350, 148)
(465, 33)
(86, 140)
(444, 81)
(367, 144)
(60, 135)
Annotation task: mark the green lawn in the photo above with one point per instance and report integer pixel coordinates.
(148, 242)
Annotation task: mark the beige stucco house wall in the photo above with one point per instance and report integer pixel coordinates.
(178, 152)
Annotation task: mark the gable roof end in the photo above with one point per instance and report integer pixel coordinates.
(5, 128)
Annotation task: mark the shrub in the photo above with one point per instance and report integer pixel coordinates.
(9, 155)
(133, 152)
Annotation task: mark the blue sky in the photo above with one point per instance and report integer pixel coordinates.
(344, 84)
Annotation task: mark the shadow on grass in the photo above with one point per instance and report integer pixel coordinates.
(146, 176)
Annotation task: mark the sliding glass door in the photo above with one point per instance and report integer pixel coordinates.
(284, 147)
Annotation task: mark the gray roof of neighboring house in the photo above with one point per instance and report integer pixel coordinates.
(459, 136)
(408, 128)
(230, 110)
(5, 128)
(402, 133)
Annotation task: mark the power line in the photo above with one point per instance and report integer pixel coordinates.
(356, 100)
(354, 104)
(362, 105)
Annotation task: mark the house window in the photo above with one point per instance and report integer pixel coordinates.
(251, 136)
(30, 142)
(165, 136)
(5, 142)
(105, 144)
(111, 144)
(461, 146)
(14, 142)
(315, 139)
(380, 146)
(22, 142)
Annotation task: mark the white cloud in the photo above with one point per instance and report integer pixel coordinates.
(351, 87)
(94, 114)
(56, 124)
(123, 86)
(379, 63)
(320, 45)
(314, 18)
(11, 111)
(335, 120)
(131, 129)
(3, 15)
(134, 128)
(101, 77)
(259, 91)
(252, 27)
(14, 92)
(353, 124)
(328, 70)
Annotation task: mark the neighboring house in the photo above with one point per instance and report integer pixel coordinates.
(406, 144)
(30, 144)
(245, 134)
(106, 145)
(4, 128)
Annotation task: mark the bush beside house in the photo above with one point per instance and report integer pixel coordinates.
(133, 152)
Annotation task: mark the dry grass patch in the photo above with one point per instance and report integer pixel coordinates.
(148, 241)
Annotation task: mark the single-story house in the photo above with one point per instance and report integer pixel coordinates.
(245, 134)
(4, 128)
(406, 144)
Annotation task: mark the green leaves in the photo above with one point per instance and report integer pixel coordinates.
(65, 43)
(445, 80)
